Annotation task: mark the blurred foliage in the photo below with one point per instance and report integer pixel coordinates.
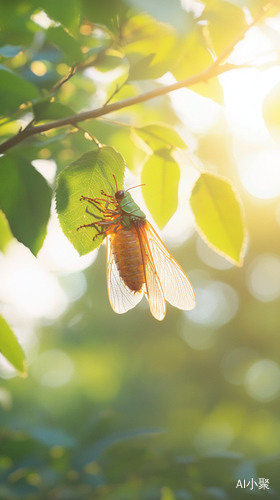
(150, 411)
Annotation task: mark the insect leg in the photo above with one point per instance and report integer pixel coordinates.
(101, 222)
(117, 228)
(107, 223)
(101, 208)
(108, 196)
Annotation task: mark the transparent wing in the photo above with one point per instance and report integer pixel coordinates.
(120, 296)
(154, 291)
(177, 288)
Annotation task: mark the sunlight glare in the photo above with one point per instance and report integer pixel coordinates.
(28, 339)
(196, 337)
(6, 369)
(217, 302)
(74, 285)
(255, 48)
(236, 363)
(211, 258)
(59, 255)
(47, 168)
(263, 380)
(53, 368)
(260, 173)
(198, 113)
(263, 277)
(28, 287)
(42, 20)
(214, 437)
(37, 292)
(244, 91)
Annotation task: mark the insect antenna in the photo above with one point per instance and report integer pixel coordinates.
(139, 185)
(115, 182)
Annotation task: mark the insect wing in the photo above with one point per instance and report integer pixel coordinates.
(176, 286)
(120, 296)
(154, 289)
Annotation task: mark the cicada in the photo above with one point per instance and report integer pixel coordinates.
(138, 263)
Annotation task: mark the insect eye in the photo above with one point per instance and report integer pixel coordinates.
(119, 195)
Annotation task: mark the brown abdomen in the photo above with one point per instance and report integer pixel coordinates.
(128, 257)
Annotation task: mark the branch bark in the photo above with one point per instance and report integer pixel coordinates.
(213, 70)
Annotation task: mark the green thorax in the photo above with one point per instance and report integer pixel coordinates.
(130, 210)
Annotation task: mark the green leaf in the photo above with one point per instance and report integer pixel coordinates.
(148, 45)
(66, 12)
(5, 232)
(87, 176)
(192, 58)
(64, 41)
(141, 69)
(9, 51)
(219, 217)
(161, 174)
(14, 91)
(44, 109)
(10, 348)
(224, 22)
(159, 136)
(25, 198)
(271, 112)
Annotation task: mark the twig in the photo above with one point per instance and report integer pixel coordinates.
(117, 89)
(210, 72)
(70, 73)
(88, 136)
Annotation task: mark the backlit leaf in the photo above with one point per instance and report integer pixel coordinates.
(87, 176)
(148, 45)
(194, 57)
(218, 215)
(14, 91)
(159, 136)
(25, 198)
(224, 22)
(10, 348)
(161, 174)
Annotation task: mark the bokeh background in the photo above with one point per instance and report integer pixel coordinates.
(123, 406)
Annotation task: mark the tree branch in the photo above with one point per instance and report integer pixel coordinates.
(213, 70)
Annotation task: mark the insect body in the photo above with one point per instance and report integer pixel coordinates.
(138, 263)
